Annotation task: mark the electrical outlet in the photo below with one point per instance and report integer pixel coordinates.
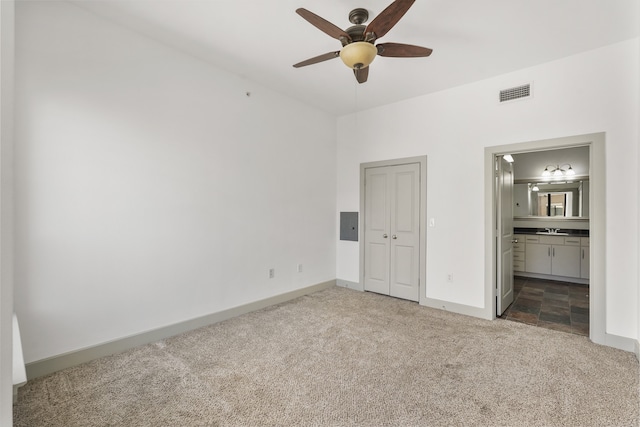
(450, 277)
(272, 273)
(299, 269)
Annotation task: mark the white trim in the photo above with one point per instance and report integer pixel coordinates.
(350, 285)
(621, 343)
(52, 364)
(453, 307)
(597, 211)
(422, 161)
(637, 349)
(552, 277)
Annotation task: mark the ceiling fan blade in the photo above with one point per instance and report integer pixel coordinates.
(388, 17)
(316, 59)
(400, 50)
(361, 74)
(323, 25)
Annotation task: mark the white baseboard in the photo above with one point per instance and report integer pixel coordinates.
(621, 343)
(554, 278)
(467, 310)
(52, 364)
(638, 350)
(350, 285)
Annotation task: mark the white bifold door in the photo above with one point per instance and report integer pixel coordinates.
(392, 231)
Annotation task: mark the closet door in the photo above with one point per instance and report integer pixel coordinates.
(405, 232)
(392, 231)
(376, 230)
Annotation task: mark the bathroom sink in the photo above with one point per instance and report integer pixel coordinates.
(551, 233)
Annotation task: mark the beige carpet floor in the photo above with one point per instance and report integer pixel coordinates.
(345, 358)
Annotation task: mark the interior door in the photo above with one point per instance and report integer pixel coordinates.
(405, 232)
(392, 231)
(376, 230)
(505, 238)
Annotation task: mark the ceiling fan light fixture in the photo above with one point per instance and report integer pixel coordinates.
(358, 55)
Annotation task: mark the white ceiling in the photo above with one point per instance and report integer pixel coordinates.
(471, 40)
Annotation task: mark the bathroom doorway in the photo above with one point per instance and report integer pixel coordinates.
(550, 211)
(589, 306)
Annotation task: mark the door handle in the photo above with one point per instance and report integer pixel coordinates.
(385, 235)
(514, 241)
(548, 251)
(554, 252)
(394, 237)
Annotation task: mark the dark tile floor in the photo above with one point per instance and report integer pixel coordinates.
(549, 304)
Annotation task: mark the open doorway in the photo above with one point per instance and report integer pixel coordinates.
(594, 198)
(550, 249)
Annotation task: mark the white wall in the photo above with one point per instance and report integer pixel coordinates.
(638, 207)
(587, 93)
(6, 210)
(150, 189)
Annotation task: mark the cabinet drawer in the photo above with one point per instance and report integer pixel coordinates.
(584, 241)
(572, 241)
(518, 265)
(552, 240)
(532, 239)
(518, 256)
(518, 247)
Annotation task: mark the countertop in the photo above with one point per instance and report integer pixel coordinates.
(571, 232)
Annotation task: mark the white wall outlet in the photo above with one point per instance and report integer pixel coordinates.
(299, 268)
(450, 277)
(272, 273)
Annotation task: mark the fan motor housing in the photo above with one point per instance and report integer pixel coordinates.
(356, 32)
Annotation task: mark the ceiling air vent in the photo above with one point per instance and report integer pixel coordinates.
(515, 93)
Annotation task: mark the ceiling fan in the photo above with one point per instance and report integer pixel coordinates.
(358, 49)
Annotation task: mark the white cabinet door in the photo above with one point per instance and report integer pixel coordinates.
(584, 262)
(565, 261)
(538, 258)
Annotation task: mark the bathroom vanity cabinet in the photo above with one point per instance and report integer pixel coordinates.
(554, 257)
(584, 258)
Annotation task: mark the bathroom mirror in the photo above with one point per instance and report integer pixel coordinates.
(559, 200)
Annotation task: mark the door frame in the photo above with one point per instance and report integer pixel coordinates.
(422, 161)
(597, 223)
